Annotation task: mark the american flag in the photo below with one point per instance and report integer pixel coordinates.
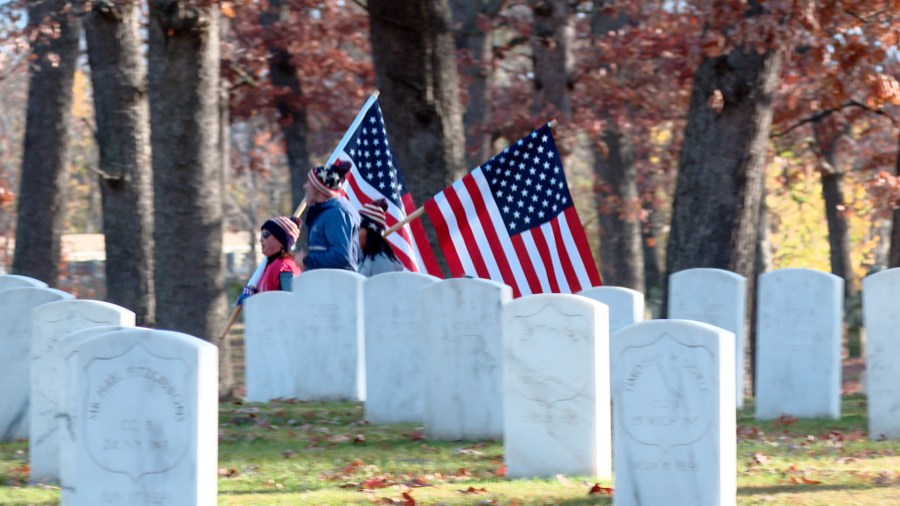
(513, 220)
(375, 175)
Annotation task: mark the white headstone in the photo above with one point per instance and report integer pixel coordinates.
(462, 362)
(15, 281)
(50, 323)
(881, 292)
(15, 345)
(556, 387)
(626, 306)
(271, 320)
(328, 352)
(674, 414)
(799, 329)
(394, 349)
(67, 417)
(717, 297)
(146, 431)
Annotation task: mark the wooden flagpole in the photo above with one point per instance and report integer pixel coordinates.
(418, 212)
(256, 275)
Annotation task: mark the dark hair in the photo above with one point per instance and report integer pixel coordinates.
(375, 244)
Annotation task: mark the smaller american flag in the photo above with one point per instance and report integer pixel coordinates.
(513, 220)
(376, 175)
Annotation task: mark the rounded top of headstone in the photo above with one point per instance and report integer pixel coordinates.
(469, 284)
(32, 293)
(708, 272)
(326, 275)
(616, 290)
(692, 327)
(881, 276)
(17, 281)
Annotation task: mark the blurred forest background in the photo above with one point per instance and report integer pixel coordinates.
(745, 135)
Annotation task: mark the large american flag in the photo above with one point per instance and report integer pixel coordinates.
(375, 175)
(512, 220)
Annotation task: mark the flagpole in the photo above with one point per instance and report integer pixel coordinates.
(411, 216)
(254, 279)
(350, 131)
(418, 212)
(302, 206)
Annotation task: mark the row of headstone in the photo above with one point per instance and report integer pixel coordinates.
(115, 414)
(469, 362)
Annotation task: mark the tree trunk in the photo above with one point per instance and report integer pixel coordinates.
(119, 80)
(42, 193)
(187, 172)
(715, 214)
(553, 31)
(619, 204)
(473, 39)
(291, 109)
(415, 69)
(621, 252)
(832, 175)
(894, 255)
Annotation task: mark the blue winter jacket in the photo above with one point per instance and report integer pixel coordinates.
(333, 228)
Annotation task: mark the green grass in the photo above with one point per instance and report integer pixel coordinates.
(288, 453)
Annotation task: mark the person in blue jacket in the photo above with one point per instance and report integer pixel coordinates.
(332, 223)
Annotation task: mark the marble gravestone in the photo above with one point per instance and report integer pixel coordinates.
(146, 424)
(717, 297)
(328, 350)
(881, 291)
(270, 332)
(556, 387)
(67, 417)
(799, 329)
(462, 333)
(51, 323)
(394, 347)
(674, 414)
(16, 281)
(626, 306)
(15, 353)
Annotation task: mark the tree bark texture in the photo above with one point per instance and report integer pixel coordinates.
(715, 213)
(415, 69)
(894, 254)
(621, 252)
(473, 39)
(552, 36)
(719, 188)
(119, 80)
(292, 116)
(619, 205)
(827, 139)
(42, 192)
(187, 172)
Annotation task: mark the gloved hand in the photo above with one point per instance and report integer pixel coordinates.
(246, 292)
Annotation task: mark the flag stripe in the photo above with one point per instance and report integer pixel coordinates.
(533, 282)
(564, 260)
(465, 231)
(424, 255)
(579, 238)
(454, 263)
(544, 255)
(476, 185)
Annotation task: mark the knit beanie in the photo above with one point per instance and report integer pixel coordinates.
(372, 215)
(328, 179)
(284, 229)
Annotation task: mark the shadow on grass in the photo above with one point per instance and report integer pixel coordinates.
(790, 488)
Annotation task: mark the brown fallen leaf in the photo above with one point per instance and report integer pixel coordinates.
(597, 489)
(501, 471)
(289, 454)
(473, 490)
